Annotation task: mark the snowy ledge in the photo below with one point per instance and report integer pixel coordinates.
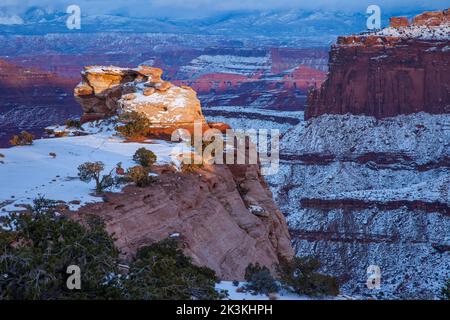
(48, 168)
(234, 293)
(441, 32)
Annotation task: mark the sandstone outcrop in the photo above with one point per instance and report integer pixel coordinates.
(210, 211)
(106, 91)
(428, 19)
(365, 180)
(388, 73)
(435, 18)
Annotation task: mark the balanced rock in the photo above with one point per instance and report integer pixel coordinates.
(107, 91)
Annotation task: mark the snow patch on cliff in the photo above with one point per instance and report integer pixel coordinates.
(441, 32)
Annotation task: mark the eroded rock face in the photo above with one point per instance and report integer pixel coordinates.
(431, 18)
(213, 213)
(396, 71)
(360, 191)
(106, 91)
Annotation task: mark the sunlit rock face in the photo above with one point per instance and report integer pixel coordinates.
(106, 91)
(403, 69)
(208, 211)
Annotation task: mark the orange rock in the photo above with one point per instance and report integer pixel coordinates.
(222, 127)
(434, 18)
(399, 22)
(106, 90)
(208, 212)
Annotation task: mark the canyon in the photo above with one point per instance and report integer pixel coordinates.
(388, 73)
(223, 74)
(365, 180)
(364, 157)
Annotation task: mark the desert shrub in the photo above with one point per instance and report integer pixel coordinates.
(119, 169)
(72, 123)
(190, 167)
(300, 275)
(89, 171)
(37, 248)
(259, 280)
(144, 157)
(133, 125)
(140, 176)
(161, 271)
(23, 139)
(446, 291)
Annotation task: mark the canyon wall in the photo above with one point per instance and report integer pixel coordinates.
(365, 181)
(31, 99)
(395, 71)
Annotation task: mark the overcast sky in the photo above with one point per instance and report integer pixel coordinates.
(202, 8)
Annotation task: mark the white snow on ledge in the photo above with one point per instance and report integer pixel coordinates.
(441, 32)
(30, 171)
(233, 294)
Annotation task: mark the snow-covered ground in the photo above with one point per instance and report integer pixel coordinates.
(233, 294)
(254, 118)
(28, 172)
(223, 63)
(419, 32)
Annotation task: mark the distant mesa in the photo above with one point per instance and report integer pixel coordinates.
(428, 19)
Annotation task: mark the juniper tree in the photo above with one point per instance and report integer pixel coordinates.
(89, 171)
(144, 157)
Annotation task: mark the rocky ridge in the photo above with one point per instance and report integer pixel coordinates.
(220, 225)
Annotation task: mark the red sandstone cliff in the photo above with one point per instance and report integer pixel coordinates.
(224, 214)
(209, 211)
(384, 75)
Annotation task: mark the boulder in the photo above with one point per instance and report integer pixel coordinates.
(107, 91)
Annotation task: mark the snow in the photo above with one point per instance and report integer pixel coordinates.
(409, 165)
(105, 69)
(180, 98)
(11, 20)
(253, 118)
(29, 171)
(441, 32)
(282, 295)
(227, 64)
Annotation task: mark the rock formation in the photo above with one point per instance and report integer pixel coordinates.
(213, 213)
(400, 70)
(223, 214)
(361, 191)
(106, 91)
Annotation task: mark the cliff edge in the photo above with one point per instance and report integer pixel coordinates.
(402, 69)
